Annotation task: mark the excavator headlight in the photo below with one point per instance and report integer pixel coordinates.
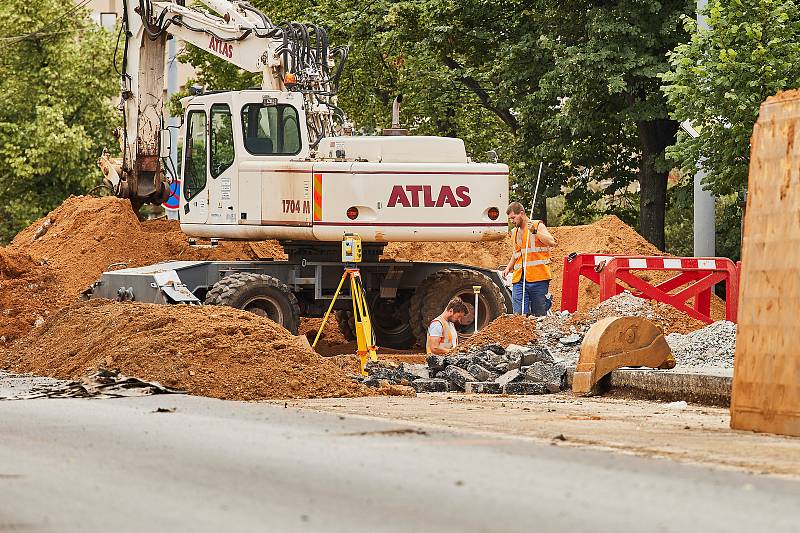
(352, 213)
(289, 79)
(493, 213)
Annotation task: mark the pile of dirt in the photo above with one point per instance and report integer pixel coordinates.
(211, 351)
(29, 292)
(504, 330)
(85, 236)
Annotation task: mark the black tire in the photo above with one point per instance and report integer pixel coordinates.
(439, 288)
(389, 321)
(346, 323)
(260, 294)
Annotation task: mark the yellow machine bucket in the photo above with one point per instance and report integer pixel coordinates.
(615, 342)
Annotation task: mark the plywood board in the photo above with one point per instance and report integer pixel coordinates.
(766, 380)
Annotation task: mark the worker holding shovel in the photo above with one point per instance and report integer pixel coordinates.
(530, 293)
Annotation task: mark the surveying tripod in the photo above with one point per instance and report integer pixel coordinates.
(365, 336)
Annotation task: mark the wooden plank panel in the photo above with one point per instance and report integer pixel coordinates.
(766, 378)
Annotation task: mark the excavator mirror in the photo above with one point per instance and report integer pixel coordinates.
(165, 150)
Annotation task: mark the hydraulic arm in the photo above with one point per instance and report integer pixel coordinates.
(292, 57)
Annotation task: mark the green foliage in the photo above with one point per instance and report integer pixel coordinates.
(719, 79)
(56, 88)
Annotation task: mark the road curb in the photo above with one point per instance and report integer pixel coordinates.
(669, 385)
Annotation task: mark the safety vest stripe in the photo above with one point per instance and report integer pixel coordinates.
(533, 263)
(536, 249)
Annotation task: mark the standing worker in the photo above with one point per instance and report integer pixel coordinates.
(442, 335)
(530, 294)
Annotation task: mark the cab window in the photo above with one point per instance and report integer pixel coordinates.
(195, 155)
(222, 151)
(271, 130)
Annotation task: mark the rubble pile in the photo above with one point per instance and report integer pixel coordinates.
(669, 319)
(205, 350)
(489, 369)
(713, 345)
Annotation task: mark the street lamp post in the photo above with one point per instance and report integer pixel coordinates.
(704, 223)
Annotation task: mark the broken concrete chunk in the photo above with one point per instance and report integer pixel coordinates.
(417, 370)
(436, 363)
(502, 367)
(483, 387)
(570, 339)
(458, 376)
(533, 355)
(496, 360)
(480, 373)
(510, 377)
(430, 385)
(550, 374)
(525, 387)
(495, 348)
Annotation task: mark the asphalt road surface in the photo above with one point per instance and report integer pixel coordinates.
(116, 465)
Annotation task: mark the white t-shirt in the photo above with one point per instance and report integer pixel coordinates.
(435, 331)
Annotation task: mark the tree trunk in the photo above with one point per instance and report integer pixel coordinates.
(654, 136)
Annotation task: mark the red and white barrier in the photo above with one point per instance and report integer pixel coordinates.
(695, 280)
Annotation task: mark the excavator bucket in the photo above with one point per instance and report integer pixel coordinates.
(615, 342)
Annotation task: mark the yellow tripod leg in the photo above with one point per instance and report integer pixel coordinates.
(364, 333)
(328, 312)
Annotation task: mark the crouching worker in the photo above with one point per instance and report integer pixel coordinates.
(442, 335)
(530, 293)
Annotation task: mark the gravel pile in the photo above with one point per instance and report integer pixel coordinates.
(713, 345)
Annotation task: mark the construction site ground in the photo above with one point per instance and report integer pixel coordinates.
(694, 434)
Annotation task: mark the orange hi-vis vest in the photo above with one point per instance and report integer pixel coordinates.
(535, 255)
(450, 341)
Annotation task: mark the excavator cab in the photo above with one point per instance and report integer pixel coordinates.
(240, 153)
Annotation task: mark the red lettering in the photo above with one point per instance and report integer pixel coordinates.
(462, 192)
(398, 195)
(426, 193)
(414, 192)
(225, 49)
(446, 196)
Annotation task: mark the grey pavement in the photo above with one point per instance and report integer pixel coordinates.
(116, 465)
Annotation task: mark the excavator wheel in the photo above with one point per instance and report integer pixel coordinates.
(389, 320)
(439, 288)
(260, 294)
(346, 323)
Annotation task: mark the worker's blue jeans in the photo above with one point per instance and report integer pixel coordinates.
(537, 297)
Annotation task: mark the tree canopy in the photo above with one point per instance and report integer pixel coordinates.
(56, 87)
(720, 78)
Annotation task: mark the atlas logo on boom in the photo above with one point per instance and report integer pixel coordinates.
(220, 47)
(423, 196)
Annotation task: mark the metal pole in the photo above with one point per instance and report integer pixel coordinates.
(528, 236)
(704, 223)
(172, 88)
(477, 290)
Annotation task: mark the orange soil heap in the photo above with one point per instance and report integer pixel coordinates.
(211, 351)
(505, 330)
